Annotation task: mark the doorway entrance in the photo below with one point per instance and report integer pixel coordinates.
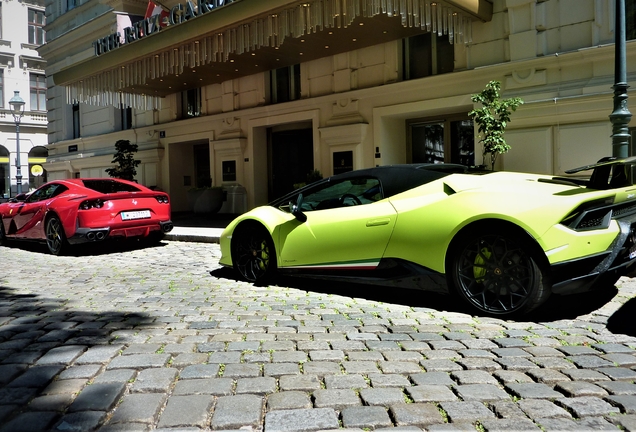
(449, 140)
(290, 155)
(201, 162)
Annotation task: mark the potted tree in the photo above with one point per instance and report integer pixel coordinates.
(492, 119)
(124, 160)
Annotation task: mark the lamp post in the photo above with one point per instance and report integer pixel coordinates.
(17, 109)
(621, 116)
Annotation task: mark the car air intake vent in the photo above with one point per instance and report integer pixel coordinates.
(624, 210)
(587, 217)
(594, 220)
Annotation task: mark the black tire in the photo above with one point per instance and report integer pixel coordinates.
(55, 236)
(3, 236)
(253, 253)
(495, 273)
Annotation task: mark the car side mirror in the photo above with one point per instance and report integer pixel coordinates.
(296, 207)
(18, 198)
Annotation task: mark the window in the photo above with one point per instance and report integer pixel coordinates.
(630, 19)
(71, 4)
(37, 174)
(38, 92)
(76, 120)
(36, 27)
(5, 169)
(125, 117)
(448, 140)
(427, 54)
(47, 191)
(350, 192)
(1, 88)
(109, 186)
(190, 104)
(285, 84)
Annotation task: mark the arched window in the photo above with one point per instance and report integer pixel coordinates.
(5, 169)
(37, 174)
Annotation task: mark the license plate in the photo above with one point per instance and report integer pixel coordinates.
(131, 215)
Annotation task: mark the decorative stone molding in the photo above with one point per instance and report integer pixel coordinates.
(345, 111)
(344, 134)
(229, 147)
(526, 78)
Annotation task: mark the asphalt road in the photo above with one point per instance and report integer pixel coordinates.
(133, 338)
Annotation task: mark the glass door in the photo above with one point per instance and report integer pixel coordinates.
(448, 140)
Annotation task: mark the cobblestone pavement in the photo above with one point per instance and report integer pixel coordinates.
(159, 338)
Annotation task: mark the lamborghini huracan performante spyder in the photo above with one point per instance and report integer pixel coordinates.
(501, 241)
(73, 211)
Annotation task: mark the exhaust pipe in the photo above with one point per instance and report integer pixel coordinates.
(167, 227)
(90, 236)
(100, 235)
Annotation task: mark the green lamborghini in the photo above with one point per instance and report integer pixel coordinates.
(501, 241)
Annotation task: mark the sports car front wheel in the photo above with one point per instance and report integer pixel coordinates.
(253, 253)
(497, 275)
(55, 236)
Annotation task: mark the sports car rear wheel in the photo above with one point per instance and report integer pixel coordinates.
(3, 237)
(496, 274)
(253, 253)
(55, 236)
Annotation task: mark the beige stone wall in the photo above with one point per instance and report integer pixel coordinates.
(557, 55)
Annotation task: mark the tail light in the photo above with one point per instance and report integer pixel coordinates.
(93, 203)
(162, 199)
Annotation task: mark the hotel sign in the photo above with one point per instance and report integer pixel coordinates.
(153, 24)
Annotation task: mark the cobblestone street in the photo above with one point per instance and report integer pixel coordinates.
(136, 339)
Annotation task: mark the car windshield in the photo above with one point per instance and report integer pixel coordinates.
(109, 186)
(355, 191)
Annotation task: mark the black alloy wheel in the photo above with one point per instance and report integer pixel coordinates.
(253, 254)
(55, 236)
(495, 274)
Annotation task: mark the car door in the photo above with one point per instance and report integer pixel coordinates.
(31, 212)
(347, 227)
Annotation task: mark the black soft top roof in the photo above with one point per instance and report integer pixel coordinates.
(394, 179)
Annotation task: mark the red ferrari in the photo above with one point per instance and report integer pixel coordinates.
(73, 211)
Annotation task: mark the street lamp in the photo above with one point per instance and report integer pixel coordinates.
(621, 116)
(17, 109)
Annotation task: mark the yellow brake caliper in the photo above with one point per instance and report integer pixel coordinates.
(479, 267)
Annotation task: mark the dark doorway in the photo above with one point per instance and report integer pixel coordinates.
(202, 165)
(291, 158)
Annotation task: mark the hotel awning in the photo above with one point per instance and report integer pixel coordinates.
(245, 37)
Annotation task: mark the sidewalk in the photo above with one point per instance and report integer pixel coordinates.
(203, 228)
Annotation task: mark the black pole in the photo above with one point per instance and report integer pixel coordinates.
(18, 163)
(621, 116)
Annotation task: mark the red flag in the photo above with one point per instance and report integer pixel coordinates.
(153, 9)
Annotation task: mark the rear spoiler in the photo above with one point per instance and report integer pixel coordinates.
(609, 172)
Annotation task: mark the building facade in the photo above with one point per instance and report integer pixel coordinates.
(259, 96)
(22, 70)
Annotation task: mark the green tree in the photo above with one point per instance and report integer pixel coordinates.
(124, 160)
(492, 119)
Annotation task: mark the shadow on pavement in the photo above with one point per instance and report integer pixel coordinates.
(39, 338)
(623, 321)
(556, 308)
(202, 220)
(105, 247)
